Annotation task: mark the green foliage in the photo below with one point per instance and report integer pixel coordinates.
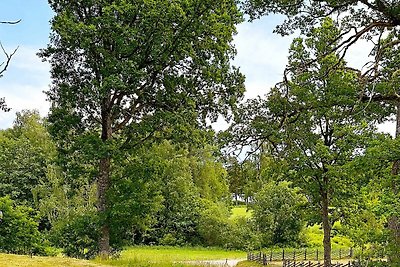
(304, 15)
(160, 194)
(78, 235)
(278, 214)
(242, 235)
(18, 228)
(315, 124)
(123, 72)
(209, 175)
(26, 152)
(214, 226)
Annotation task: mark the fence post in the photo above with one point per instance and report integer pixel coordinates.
(351, 252)
(283, 254)
(270, 256)
(305, 254)
(317, 257)
(340, 253)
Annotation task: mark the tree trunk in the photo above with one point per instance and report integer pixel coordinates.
(394, 222)
(103, 184)
(326, 225)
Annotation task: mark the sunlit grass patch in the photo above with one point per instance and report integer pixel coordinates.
(241, 211)
(169, 256)
(10, 260)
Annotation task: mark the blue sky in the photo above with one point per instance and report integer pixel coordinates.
(262, 56)
(27, 77)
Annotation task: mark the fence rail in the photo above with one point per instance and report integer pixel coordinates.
(303, 254)
(258, 257)
(289, 263)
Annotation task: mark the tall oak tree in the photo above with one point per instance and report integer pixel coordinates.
(122, 70)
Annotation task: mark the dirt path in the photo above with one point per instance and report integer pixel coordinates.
(225, 263)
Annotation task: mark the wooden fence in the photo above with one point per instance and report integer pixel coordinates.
(290, 263)
(301, 255)
(258, 257)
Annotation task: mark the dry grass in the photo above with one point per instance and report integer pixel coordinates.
(9, 260)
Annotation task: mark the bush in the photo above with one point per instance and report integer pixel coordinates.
(277, 214)
(242, 235)
(213, 224)
(18, 229)
(78, 236)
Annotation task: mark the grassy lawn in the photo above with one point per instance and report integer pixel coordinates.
(130, 257)
(9, 260)
(241, 211)
(169, 256)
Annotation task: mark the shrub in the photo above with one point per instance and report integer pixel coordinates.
(242, 235)
(213, 224)
(18, 229)
(78, 236)
(277, 214)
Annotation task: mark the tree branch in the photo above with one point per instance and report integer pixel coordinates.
(6, 63)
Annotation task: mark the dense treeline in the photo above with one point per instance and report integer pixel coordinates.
(164, 193)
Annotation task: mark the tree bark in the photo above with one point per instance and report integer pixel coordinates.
(326, 225)
(103, 184)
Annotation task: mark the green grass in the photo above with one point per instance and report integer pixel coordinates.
(169, 256)
(241, 211)
(9, 260)
(130, 257)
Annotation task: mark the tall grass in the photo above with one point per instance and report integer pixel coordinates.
(169, 256)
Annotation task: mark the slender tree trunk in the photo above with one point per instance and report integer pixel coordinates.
(326, 225)
(236, 196)
(103, 184)
(394, 221)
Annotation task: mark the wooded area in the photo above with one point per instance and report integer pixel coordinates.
(127, 155)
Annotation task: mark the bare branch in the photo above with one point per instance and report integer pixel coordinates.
(8, 59)
(10, 22)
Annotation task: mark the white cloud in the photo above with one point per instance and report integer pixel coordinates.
(261, 55)
(23, 84)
